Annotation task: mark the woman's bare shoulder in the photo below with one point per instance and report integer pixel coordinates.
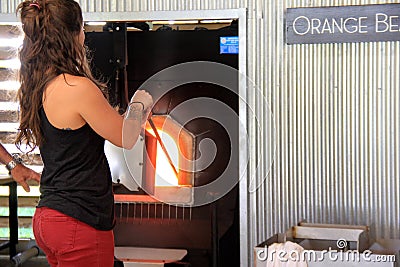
(77, 81)
(79, 86)
(73, 90)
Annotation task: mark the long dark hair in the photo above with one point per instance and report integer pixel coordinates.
(50, 48)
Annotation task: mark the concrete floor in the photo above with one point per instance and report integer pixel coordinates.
(34, 262)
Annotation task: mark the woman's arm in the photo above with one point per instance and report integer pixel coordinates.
(104, 120)
(20, 173)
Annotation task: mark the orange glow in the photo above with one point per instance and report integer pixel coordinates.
(165, 175)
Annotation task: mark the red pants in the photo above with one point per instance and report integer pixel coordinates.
(68, 242)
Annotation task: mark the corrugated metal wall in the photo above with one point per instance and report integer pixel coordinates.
(337, 116)
(337, 139)
(336, 151)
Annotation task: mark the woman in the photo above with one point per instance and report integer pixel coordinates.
(64, 112)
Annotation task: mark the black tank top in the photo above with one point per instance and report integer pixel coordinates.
(76, 178)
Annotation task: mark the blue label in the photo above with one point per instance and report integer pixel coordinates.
(229, 45)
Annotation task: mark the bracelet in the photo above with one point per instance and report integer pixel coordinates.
(16, 159)
(137, 102)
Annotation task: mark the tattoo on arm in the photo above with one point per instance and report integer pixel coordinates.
(134, 112)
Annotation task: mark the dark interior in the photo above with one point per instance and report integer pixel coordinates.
(125, 60)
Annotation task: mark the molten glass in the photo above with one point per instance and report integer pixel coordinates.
(165, 175)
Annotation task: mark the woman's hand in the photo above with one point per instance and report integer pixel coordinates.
(143, 97)
(22, 174)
